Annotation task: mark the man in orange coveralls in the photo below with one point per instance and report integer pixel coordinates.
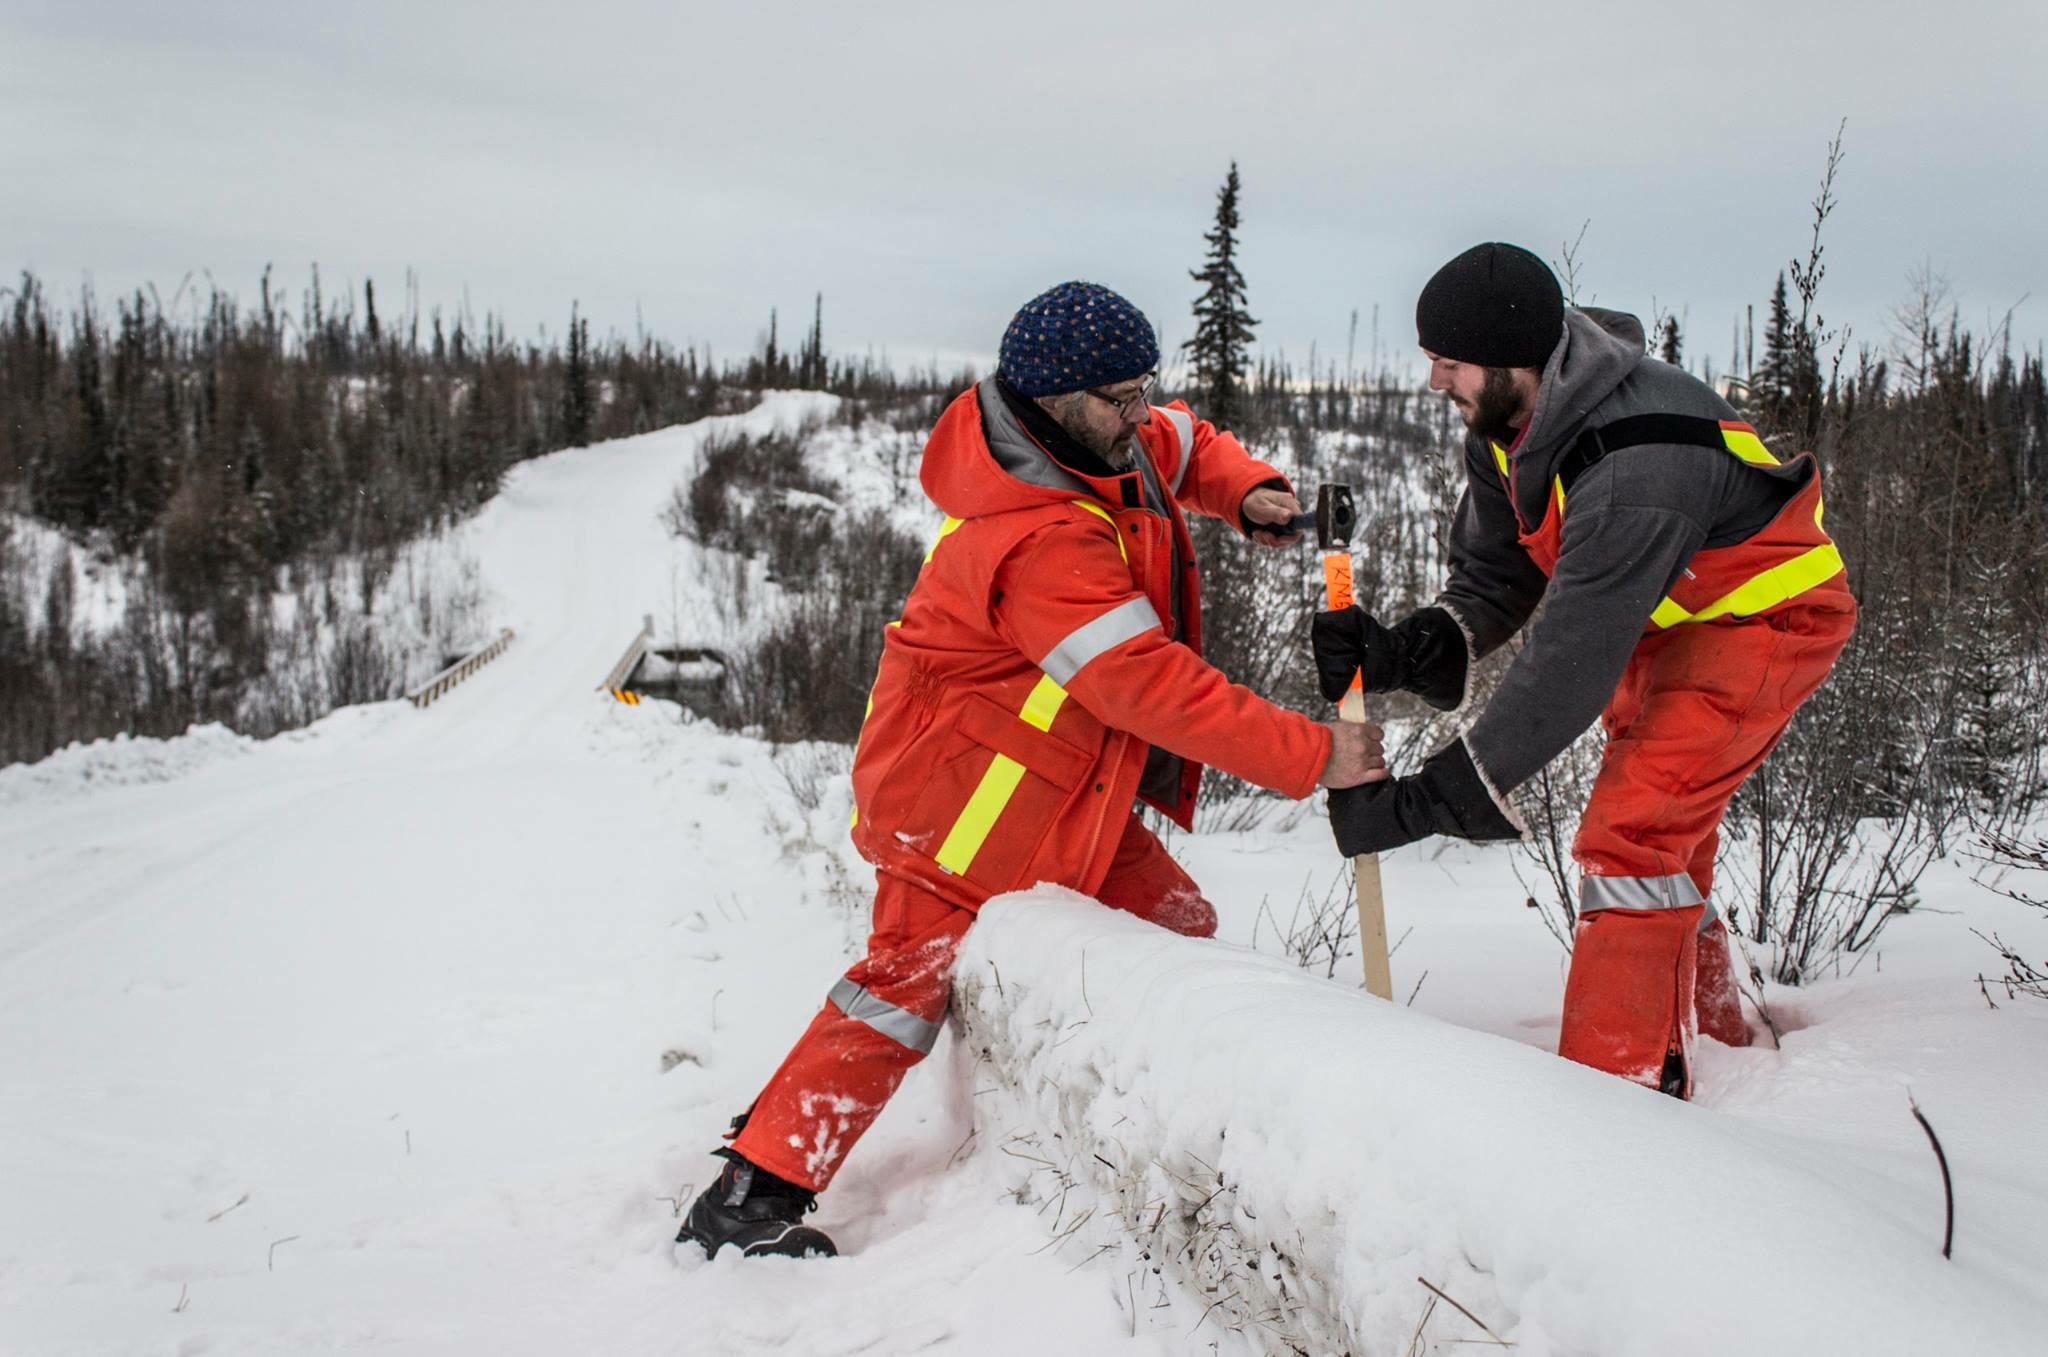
(1046, 676)
(1686, 586)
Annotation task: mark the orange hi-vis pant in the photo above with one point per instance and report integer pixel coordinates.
(884, 1016)
(1696, 712)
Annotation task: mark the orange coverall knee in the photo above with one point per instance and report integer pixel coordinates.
(885, 1015)
(1697, 710)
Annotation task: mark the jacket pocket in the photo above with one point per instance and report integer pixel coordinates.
(997, 790)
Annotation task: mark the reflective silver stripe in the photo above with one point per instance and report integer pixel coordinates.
(1183, 425)
(900, 1025)
(1638, 892)
(1090, 639)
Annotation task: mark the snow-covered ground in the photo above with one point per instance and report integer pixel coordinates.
(408, 1033)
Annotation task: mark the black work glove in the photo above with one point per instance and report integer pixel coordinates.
(1424, 655)
(1447, 797)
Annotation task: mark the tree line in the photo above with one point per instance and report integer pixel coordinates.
(219, 453)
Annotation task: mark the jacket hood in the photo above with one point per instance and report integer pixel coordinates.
(1598, 352)
(979, 460)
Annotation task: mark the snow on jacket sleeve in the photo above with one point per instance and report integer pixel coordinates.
(1620, 551)
(1066, 576)
(1494, 586)
(1220, 472)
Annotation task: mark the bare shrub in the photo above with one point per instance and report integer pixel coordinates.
(2004, 854)
(808, 676)
(808, 768)
(1552, 803)
(1931, 719)
(740, 480)
(756, 495)
(1321, 930)
(676, 515)
(362, 667)
(1831, 845)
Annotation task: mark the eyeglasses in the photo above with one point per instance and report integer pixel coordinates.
(1133, 401)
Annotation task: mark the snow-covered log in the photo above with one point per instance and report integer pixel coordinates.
(1300, 1159)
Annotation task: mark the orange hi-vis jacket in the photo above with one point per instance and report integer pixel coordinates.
(1633, 504)
(1787, 558)
(1052, 640)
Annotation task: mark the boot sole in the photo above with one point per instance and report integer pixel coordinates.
(795, 1241)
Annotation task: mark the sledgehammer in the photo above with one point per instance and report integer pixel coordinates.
(1336, 520)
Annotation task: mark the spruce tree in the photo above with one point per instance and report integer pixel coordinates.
(1669, 347)
(771, 356)
(1787, 383)
(810, 367)
(1223, 328)
(576, 394)
(1772, 381)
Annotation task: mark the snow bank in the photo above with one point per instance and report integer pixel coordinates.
(120, 761)
(1301, 1158)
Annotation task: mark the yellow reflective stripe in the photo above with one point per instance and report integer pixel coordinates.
(1669, 614)
(1786, 580)
(1500, 455)
(946, 529)
(1044, 702)
(1745, 444)
(1104, 515)
(997, 785)
(970, 831)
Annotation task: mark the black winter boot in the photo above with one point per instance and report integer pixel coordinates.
(752, 1208)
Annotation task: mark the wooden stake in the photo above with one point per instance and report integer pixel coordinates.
(1333, 530)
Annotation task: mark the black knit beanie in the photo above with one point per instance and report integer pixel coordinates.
(1495, 306)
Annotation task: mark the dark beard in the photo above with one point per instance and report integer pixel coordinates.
(1495, 406)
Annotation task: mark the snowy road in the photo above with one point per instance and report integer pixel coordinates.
(403, 1033)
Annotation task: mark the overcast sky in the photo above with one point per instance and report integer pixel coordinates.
(929, 166)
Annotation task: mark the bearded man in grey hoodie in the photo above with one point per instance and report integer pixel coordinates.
(1689, 599)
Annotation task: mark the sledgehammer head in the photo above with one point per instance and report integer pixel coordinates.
(1336, 517)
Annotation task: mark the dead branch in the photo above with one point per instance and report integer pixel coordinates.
(1445, 1297)
(1415, 1343)
(1948, 1191)
(242, 1201)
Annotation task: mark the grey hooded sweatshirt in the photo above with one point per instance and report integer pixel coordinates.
(1632, 522)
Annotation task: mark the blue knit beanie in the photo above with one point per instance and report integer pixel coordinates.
(1075, 336)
